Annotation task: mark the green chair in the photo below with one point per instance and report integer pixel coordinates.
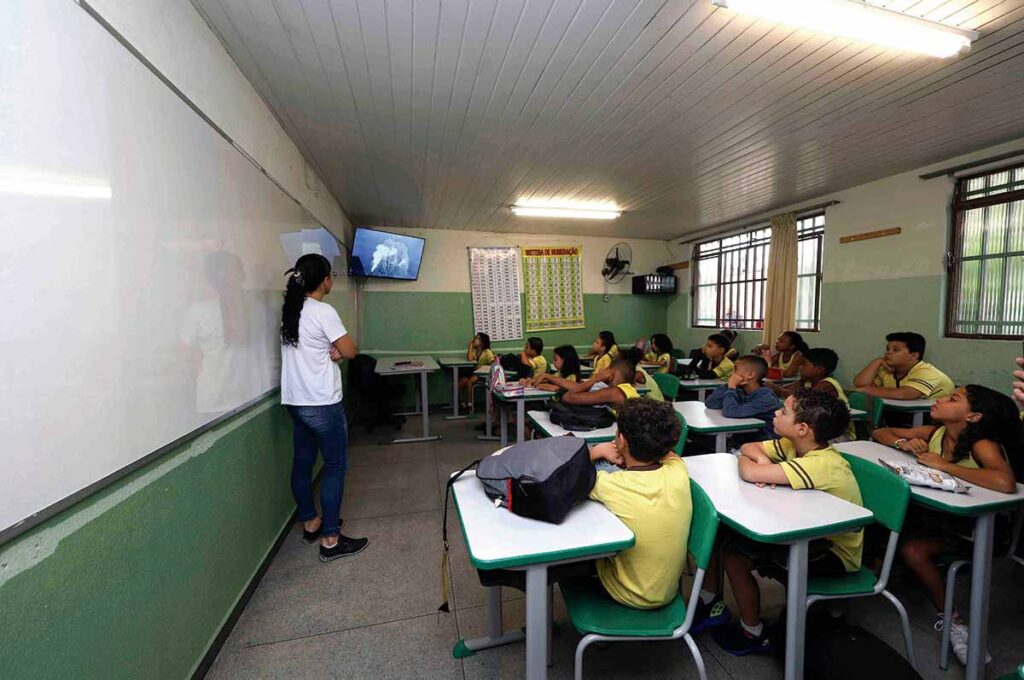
(886, 496)
(599, 618)
(669, 385)
(681, 444)
(873, 406)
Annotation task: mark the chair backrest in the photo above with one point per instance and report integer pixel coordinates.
(669, 385)
(678, 354)
(874, 407)
(703, 526)
(883, 493)
(684, 430)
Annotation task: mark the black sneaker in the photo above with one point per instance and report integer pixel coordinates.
(345, 546)
(312, 536)
(710, 615)
(739, 642)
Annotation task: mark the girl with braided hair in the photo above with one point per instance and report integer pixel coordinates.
(313, 340)
(975, 436)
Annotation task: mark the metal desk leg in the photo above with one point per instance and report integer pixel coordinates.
(488, 435)
(981, 574)
(504, 425)
(796, 610)
(918, 418)
(494, 637)
(426, 437)
(537, 615)
(455, 396)
(419, 401)
(720, 439)
(520, 421)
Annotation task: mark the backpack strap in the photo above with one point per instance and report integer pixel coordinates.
(444, 534)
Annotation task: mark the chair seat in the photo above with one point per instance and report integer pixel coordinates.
(593, 611)
(859, 582)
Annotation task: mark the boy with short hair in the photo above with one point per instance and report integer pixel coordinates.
(715, 363)
(902, 372)
(608, 387)
(803, 459)
(816, 374)
(532, 358)
(642, 377)
(745, 396)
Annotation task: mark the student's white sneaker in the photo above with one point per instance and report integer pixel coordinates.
(958, 639)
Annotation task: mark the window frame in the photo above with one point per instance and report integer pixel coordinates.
(813, 232)
(958, 209)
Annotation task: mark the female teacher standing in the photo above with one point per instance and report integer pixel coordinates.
(312, 340)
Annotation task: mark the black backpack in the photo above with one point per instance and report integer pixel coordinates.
(541, 479)
(580, 418)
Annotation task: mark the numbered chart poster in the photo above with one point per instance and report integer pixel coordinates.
(494, 283)
(554, 287)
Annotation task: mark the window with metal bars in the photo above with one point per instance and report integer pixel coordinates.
(730, 275)
(986, 261)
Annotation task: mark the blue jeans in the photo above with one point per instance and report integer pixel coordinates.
(322, 428)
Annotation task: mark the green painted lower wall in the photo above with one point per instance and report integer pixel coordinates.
(442, 323)
(135, 581)
(855, 317)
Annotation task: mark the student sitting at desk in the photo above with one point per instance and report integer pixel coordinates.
(533, 361)
(714, 363)
(567, 367)
(610, 387)
(479, 350)
(902, 373)
(802, 459)
(973, 436)
(651, 495)
(730, 335)
(745, 396)
(642, 377)
(661, 352)
(604, 350)
(788, 354)
(816, 373)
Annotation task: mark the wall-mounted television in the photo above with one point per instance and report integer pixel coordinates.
(384, 255)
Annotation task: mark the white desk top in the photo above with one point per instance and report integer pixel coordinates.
(909, 404)
(699, 383)
(542, 420)
(702, 419)
(498, 539)
(388, 367)
(976, 501)
(779, 515)
(454, 362)
(529, 394)
(857, 414)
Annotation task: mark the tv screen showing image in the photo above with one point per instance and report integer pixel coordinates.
(385, 255)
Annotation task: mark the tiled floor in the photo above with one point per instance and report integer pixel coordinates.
(374, 615)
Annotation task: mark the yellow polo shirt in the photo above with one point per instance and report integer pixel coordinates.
(825, 470)
(923, 377)
(602, 362)
(539, 365)
(851, 431)
(484, 359)
(724, 369)
(649, 382)
(656, 506)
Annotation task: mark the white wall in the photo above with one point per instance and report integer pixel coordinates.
(445, 266)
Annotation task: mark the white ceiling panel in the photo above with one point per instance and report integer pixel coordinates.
(441, 113)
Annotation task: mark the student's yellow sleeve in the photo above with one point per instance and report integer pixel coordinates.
(779, 450)
(602, 362)
(605, 489)
(724, 369)
(806, 473)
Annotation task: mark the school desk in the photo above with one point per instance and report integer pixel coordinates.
(421, 365)
(542, 422)
(498, 539)
(783, 516)
(703, 420)
(700, 386)
(455, 365)
(982, 505)
(916, 406)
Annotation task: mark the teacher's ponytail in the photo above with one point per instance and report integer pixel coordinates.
(306, 276)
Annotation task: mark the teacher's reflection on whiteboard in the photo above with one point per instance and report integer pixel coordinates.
(229, 328)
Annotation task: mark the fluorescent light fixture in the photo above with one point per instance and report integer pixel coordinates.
(588, 210)
(14, 181)
(858, 20)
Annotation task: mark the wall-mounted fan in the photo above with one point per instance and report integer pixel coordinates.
(616, 265)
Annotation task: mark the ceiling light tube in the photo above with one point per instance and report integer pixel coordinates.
(858, 20)
(575, 213)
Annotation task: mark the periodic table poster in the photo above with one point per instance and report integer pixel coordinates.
(494, 282)
(554, 287)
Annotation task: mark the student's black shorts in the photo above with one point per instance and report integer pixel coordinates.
(770, 559)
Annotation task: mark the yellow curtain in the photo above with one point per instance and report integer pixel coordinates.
(780, 290)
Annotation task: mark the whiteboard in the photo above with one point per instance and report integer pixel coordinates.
(142, 261)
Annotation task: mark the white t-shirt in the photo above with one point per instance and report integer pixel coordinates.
(308, 376)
